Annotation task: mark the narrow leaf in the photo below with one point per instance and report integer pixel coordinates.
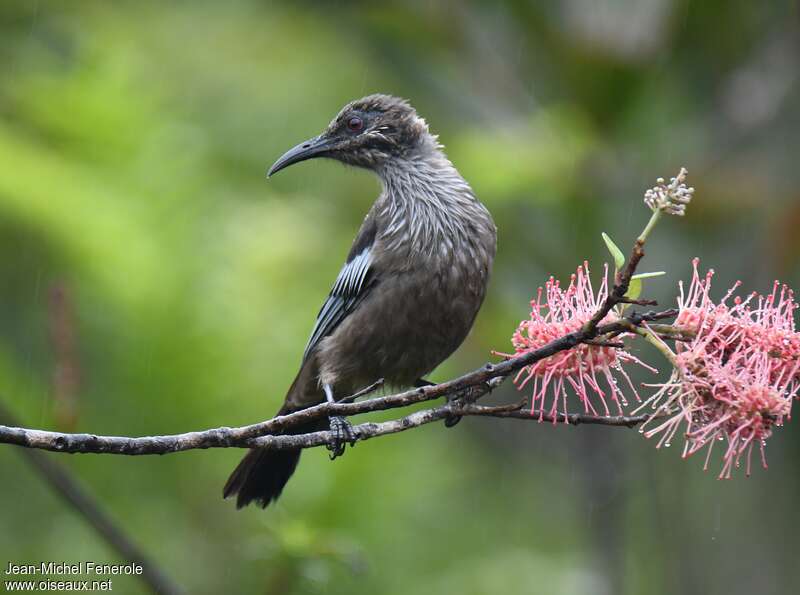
(634, 289)
(616, 253)
(648, 275)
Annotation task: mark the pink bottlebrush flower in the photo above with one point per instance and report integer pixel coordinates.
(762, 323)
(564, 311)
(735, 380)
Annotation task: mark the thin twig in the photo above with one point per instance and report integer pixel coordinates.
(626, 300)
(364, 391)
(602, 343)
(573, 419)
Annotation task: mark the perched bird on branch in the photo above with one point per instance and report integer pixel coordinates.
(410, 289)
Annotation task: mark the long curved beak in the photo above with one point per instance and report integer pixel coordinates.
(314, 147)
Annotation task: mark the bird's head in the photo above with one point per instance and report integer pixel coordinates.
(367, 132)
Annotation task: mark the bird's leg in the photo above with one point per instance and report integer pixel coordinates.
(341, 429)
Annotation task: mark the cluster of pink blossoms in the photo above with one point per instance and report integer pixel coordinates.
(735, 380)
(563, 311)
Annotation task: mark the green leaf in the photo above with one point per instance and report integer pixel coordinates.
(634, 289)
(636, 285)
(616, 253)
(648, 275)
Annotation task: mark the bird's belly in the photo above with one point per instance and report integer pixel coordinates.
(403, 330)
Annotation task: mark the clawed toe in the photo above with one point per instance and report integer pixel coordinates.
(342, 434)
(468, 395)
(451, 420)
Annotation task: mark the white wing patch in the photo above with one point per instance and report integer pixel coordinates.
(348, 290)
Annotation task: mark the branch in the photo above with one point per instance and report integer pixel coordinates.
(268, 434)
(480, 381)
(224, 437)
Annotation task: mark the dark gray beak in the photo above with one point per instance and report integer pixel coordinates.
(314, 147)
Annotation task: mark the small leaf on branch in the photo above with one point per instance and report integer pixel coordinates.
(634, 289)
(616, 253)
(636, 286)
(649, 275)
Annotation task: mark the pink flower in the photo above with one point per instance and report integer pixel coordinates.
(763, 323)
(581, 368)
(735, 380)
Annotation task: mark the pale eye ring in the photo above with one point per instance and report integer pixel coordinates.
(355, 124)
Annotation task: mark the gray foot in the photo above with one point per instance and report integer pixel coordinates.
(342, 435)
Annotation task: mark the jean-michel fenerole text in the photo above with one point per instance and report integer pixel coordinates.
(72, 568)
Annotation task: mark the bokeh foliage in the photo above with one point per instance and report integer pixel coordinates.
(142, 251)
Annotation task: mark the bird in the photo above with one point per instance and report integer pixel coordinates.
(412, 284)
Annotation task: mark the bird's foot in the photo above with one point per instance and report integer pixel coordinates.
(452, 420)
(467, 396)
(342, 434)
(470, 394)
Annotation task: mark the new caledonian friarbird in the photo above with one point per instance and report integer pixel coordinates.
(409, 291)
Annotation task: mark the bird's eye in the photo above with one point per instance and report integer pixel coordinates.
(355, 124)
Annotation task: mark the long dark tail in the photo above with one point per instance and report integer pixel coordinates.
(262, 474)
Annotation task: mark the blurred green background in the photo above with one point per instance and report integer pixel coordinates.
(152, 281)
